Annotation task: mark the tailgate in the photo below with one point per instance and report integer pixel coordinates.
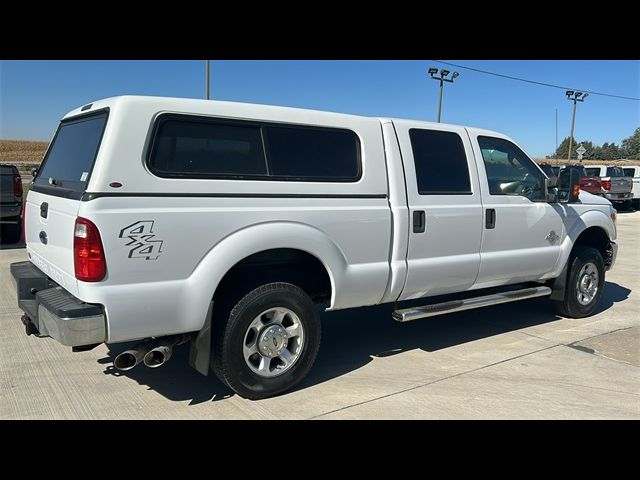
(54, 198)
(49, 225)
(621, 185)
(6, 185)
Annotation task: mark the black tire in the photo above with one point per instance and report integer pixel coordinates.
(636, 203)
(570, 306)
(11, 233)
(232, 324)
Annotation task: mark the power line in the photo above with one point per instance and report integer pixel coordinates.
(536, 83)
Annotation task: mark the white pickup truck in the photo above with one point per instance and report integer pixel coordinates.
(226, 225)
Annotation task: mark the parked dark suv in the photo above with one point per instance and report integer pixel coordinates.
(10, 204)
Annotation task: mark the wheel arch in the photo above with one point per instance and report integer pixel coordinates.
(591, 229)
(248, 243)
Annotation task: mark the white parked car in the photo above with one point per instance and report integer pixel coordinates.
(633, 172)
(224, 224)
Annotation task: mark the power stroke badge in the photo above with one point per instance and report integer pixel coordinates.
(142, 240)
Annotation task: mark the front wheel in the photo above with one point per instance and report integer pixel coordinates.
(585, 283)
(268, 342)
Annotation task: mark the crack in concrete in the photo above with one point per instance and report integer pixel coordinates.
(433, 382)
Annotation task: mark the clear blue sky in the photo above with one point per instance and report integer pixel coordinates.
(35, 94)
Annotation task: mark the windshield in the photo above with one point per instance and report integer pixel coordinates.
(70, 157)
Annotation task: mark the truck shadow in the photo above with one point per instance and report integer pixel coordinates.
(352, 338)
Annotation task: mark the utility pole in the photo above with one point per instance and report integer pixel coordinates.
(575, 97)
(207, 79)
(442, 78)
(556, 152)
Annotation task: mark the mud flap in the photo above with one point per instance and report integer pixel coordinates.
(560, 283)
(200, 352)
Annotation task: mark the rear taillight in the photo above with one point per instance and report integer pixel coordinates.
(24, 222)
(606, 184)
(88, 254)
(17, 185)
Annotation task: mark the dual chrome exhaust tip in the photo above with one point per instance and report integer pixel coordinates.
(153, 353)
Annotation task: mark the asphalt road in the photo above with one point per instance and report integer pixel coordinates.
(518, 360)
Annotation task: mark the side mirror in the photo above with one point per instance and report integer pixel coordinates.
(569, 185)
(34, 172)
(549, 189)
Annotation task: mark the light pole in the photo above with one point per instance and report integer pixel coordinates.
(575, 97)
(442, 78)
(207, 76)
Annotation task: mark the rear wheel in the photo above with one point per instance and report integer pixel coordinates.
(267, 341)
(584, 283)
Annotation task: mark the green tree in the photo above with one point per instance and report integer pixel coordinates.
(563, 149)
(610, 151)
(631, 146)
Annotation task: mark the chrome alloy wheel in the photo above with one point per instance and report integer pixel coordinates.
(273, 342)
(587, 284)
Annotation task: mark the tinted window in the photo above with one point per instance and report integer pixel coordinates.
(614, 172)
(509, 170)
(580, 169)
(629, 172)
(310, 153)
(593, 172)
(441, 164)
(197, 148)
(200, 147)
(548, 170)
(72, 153)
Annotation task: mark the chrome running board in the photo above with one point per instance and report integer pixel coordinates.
(416, 313)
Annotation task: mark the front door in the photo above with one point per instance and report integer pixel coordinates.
(522, 235)
(445, 211)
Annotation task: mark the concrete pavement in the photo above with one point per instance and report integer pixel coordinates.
(517, 360)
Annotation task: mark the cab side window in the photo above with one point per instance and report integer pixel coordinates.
(593, 172)
(509, 170)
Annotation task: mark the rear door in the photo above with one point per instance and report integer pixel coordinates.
(445, 211)
(54, 197)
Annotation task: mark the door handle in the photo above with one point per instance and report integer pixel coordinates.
(419, 221)
(490, 219)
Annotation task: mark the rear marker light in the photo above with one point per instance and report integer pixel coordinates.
(17, 186)
(88, 254)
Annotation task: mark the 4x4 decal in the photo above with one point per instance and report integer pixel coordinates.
(143, 242)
